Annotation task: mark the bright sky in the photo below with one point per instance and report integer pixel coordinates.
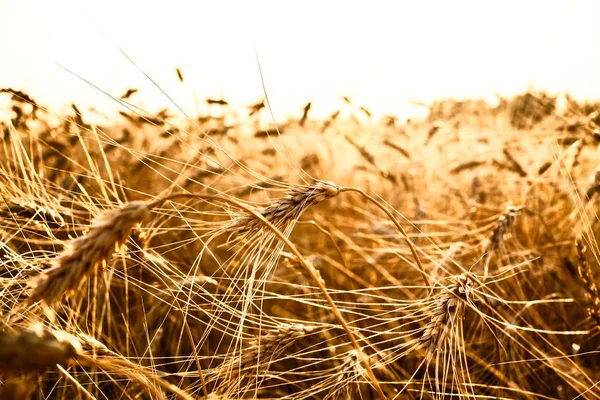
(380, 54)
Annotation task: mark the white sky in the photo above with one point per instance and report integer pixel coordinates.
(380, 54)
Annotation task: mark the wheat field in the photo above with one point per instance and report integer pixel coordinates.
(169, 256)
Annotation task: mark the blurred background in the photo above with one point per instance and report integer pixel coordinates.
(381, 54)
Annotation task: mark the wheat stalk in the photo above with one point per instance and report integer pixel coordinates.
(82, 256)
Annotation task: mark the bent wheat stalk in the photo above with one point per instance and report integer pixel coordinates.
(314, 274)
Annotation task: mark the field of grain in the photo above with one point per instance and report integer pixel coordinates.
(169, 256)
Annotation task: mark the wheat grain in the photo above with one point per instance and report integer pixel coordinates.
(454, 251)
(293, 261)
(397, 147)
(370, 158)
(505, 221)
(269, 346)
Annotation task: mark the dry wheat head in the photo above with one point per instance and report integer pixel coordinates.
(82, 256)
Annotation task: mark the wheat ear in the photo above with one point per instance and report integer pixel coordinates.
(83, 255)
(267, 347)
(35, 349)
(448, 310)
(286, 209)
(594, 186)
(505, 221)
(589, 282)
(346, 386)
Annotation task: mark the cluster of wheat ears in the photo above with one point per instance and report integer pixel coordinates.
(155, 258)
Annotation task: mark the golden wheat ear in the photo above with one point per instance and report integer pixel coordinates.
(82, 256)
(588, 280)
(446, 313)
(34, 350)
(286, 209)
(265, 349)
(346, 385)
